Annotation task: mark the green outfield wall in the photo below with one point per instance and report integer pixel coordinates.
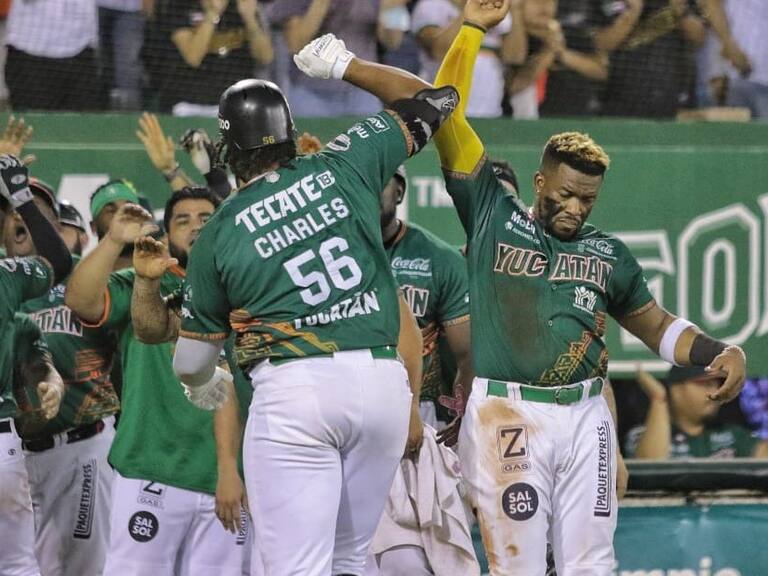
(691, 200)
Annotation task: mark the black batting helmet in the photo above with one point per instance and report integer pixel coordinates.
(254, 113)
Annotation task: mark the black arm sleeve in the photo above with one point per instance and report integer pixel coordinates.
(47, 240)
(218, 182)
(425, 112)
(704, 349)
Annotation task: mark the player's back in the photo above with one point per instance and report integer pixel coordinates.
(301, 262)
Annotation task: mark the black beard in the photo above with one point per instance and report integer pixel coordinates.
(548, 209)
(178, 253)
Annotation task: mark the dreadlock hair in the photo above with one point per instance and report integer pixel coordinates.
(247, 164)
(576, 150)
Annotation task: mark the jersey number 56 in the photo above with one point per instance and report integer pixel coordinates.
(341, 269)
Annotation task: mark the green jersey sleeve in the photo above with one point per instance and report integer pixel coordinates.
(627, 291)
(205, 308)
(117, 305)
(454, 289)
(371, 149)
(475, 195)
(22, 279)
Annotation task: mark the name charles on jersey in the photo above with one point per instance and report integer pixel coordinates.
(306, 196)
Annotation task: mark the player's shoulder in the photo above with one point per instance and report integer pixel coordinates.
(430, 241)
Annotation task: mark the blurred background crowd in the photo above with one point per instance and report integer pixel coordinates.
(636, 58)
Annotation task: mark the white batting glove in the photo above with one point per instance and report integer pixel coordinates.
(325, 57)
(212, 394)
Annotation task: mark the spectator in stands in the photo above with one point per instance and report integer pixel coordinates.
(579, 67)
(754, 405)
(219, 42)
(360, 23)
(652, 72)
(749, 80)
(51, 63)
(121, 35)
(681, 420)
(435, 24)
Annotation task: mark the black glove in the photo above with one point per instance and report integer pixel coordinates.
(198, 145)
(14, 181)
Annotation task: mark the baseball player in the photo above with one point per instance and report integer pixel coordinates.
(21, 279)
(538, 442)
(163, 511)
(66, 457)
(72, 228)
(294, 265)
(433, 278)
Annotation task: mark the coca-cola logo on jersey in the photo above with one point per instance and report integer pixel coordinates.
(420, 264)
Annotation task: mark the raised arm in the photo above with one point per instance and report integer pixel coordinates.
(459, 147)
(87, 285)
(153, 320)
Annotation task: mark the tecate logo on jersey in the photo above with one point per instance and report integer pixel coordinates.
(419, 264)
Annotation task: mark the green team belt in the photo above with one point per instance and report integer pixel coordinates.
(378, 352)
(561, 395)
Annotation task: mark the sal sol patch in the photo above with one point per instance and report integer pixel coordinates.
(143, 526)
(520, 501)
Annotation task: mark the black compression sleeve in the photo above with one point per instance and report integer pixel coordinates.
(218, 182)
(47, 240)
(704, 349)
(425, 112)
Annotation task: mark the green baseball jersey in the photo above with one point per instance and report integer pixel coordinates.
(83, 357)
(539, 304)
(162, 436)
(294, 263)
(433, 278)
(717, 441)
(31, 357)
(20, 280)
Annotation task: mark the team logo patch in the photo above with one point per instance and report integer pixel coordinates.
(143, 526)
(377, 124)
(585, 299)
(151, 494)
(604, 485)
(85, 507)
(520, 501)
(512, 442)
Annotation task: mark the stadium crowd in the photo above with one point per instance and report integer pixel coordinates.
(638, 58)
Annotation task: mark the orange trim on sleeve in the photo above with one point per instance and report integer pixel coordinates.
(204, 337)
(104, 316)
(456, 321)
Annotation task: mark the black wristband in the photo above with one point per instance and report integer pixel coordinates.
(704, 349)
(473, 25)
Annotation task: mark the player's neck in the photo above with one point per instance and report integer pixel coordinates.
(691, 425)
(390, 231)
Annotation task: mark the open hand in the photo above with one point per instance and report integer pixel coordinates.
(15, 137)
(159, 147)
(151, 258)
(129, 223)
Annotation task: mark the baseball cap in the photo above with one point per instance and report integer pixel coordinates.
(44, 190)
(111, 192)
(680, 374)
(70, 215)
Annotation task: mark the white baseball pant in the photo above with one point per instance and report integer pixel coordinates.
(323, 440)
(17, 523)
(539, 471)
(71, 487)
(161, 530)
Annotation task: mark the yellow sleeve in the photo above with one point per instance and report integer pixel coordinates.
(459, 146)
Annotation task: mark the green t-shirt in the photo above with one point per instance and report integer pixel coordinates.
(539, 304)
(294, 263)
(20, 280)
(83, 357)
(162, 436)
(433, 277)
(717, 441)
